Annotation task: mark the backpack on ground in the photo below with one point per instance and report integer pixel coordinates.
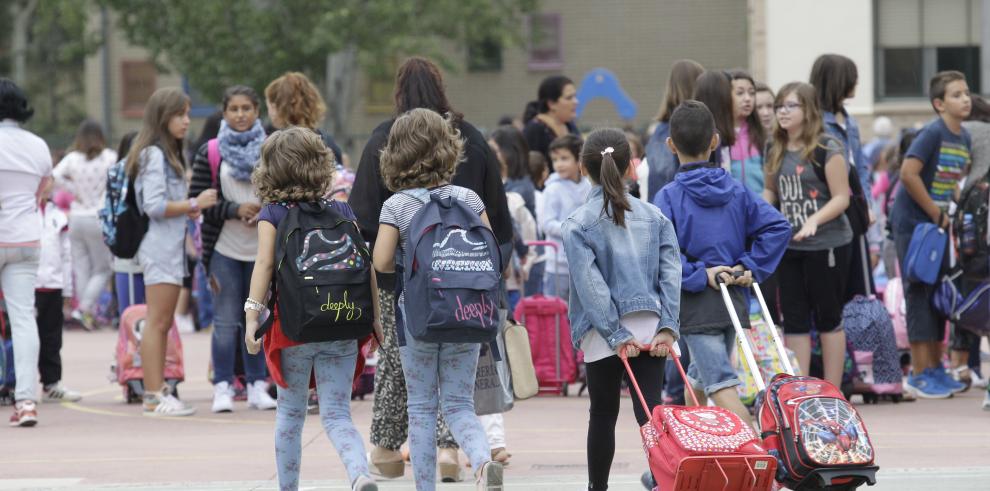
(970, 226)
(123, 224)
(322, 276)
(450, 273)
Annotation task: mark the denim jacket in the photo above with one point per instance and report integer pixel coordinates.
(616, 271)
(849, 136)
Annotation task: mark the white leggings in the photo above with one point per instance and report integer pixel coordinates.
(90, 259)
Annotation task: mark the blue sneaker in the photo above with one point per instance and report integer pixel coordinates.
(925, 386)
(945, 380)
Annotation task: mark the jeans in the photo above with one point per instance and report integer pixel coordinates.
(48, 305)
(710, 366)
(203, 297)
(130, 290)
(18, 271)
(604, 387)
(233, 279)
(90, 259)
(674, 384)
(333, 363)
(441, 375)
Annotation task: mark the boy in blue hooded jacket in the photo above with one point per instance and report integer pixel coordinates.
(721, 227)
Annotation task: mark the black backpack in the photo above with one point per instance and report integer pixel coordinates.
(858, 211)
(974, 201)
(123, 224)
(322, 275)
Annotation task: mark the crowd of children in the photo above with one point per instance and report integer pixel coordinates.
(735, 185)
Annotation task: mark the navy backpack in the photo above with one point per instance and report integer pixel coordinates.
(450, 273)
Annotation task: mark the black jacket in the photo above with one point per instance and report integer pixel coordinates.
(479, 172)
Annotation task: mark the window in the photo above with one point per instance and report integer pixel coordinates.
(484, 55)
(916, 39)
(138, 79)
(545, 42)
(380, 88)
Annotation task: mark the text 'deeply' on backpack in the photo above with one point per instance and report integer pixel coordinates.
(451, 272)
(322, 276)
(123, 224)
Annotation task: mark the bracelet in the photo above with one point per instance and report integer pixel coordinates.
(193, 205)
(253, 304)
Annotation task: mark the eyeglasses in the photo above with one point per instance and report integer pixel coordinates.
(787, 107)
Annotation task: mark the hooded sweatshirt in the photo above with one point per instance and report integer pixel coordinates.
(719, 222)
(561, 197)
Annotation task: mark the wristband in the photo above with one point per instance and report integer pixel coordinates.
(252, 304)
(193, 205)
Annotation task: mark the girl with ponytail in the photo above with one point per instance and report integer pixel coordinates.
(625, 286)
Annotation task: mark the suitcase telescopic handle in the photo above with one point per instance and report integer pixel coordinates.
(635, 384)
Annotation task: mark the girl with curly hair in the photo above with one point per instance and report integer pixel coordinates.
(422, 152)
(296, 167)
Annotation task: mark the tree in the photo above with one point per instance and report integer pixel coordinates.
(219, 43)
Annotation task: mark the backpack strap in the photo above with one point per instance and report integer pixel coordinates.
(213, 157)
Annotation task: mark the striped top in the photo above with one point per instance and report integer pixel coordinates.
(399, 210)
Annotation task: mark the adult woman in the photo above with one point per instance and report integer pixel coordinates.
(806, 175)
(662, 163)
(418, 84)
(746, 154)
(551, 115)
(155, 163)
(25, 168)
(230, 240)
(83, 172)
(293, 100)
(834, 78)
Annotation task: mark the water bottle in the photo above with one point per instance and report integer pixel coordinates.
(968, 239)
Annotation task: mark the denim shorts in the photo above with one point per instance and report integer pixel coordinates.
(710, 366)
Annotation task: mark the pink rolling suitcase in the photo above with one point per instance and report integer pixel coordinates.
(130, 373)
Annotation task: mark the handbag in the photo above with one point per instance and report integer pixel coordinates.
(923, 261)
(492, 383)
(520, 360)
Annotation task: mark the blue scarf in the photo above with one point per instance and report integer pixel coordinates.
(241, 150)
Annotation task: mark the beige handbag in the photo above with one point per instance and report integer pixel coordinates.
(520, 358)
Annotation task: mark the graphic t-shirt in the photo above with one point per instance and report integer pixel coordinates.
(746, 162)
(945, 156)
(801, 194)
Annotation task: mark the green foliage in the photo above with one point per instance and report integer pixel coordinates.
(216, 43)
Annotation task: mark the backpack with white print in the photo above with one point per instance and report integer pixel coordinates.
(450, 273)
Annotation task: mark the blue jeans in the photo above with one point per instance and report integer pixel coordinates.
(710, 367)
(130, 290)
(333, 363)
(441, 374)
(203, 296)
(673, 383)
(233, 278)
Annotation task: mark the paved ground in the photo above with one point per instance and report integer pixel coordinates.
(101, 443)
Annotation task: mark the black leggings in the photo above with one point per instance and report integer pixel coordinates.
(604, 383)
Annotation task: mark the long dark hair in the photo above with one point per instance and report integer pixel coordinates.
(551, 88)
(514, 150)
(419, 84)
(757, 135)
(680, 86)
(89, 139)
(607, 168)
(714, 90)
(834, 77)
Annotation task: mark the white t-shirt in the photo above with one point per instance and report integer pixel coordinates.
(642, 325)
(238, 240)
(85, 179)
(24, 162)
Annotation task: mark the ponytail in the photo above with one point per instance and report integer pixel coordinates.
(613, 189)
(532, 109)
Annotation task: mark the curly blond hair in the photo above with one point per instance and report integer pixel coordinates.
(295, 166)
(423, 150)
(296, 100)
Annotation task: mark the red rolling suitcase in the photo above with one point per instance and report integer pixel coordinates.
(545, 318)
(816, 435)
(701, 448)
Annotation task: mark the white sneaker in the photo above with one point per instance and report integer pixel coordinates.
(165, 404)
(978, 381)
(185, 323)
(258, 397)
(223, 398)
(59, 393)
